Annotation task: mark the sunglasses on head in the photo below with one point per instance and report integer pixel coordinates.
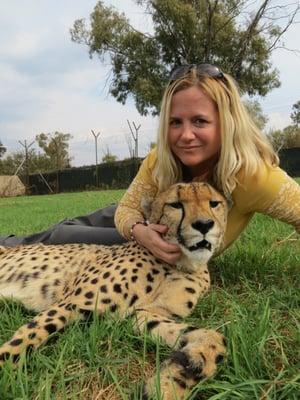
(201, 69)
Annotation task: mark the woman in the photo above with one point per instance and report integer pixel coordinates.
(205, 133)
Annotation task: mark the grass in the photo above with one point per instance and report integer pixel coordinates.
(254, 300)
(30, 214)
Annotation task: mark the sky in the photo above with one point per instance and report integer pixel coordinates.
(48, 83)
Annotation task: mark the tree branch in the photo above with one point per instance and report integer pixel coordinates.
(289, 23)
(248, 37)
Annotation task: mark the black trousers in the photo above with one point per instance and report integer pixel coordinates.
(97, 227)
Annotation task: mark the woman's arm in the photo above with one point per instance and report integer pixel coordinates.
(129, 211)
(286, 205)
(272, 192)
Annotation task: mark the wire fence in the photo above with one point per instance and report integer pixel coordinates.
(119, 175)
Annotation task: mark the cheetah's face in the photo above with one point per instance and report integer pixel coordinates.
(196, 215)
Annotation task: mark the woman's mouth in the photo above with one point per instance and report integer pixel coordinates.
(190, 147)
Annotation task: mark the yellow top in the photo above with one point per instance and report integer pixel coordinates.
(271, 191)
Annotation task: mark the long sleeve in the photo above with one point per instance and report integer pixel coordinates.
(271, 192)
(129, 209)
(286, 205)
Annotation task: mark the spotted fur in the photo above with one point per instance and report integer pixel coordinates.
(67, 282)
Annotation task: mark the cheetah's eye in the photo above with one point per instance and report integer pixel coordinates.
(176, 204)
(214, 203)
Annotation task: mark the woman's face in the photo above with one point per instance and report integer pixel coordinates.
(194, 131)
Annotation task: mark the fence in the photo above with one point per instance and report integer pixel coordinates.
(115, 175)
(290, 161)
(119, 174)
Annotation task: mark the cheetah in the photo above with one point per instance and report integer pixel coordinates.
(63, 283)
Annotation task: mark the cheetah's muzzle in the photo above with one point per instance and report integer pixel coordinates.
(204, 244)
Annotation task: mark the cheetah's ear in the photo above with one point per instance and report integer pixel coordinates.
(153, 207)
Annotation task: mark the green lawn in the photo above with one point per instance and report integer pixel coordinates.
(29, 214)
(254, 300)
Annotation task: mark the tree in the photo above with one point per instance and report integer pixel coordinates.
(2, 149)
(152, 145)
(56, 147)
(108, 157)
(227, 33)
(10, 164)
(295, 115)
(290, 135)
(286, 138)
(256, 113)
(37, 162)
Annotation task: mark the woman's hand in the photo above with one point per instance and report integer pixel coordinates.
(150, 237)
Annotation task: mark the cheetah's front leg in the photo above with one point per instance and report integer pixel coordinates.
(37, 331)
(195, 357)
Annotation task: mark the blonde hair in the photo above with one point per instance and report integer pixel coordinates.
(243, 146)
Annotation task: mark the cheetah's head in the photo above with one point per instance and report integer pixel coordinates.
(196, 215)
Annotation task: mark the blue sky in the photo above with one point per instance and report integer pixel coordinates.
(49, 83)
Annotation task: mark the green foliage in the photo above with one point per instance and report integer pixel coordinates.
(2, 149)
(286, 138)
(295, 116)
(10, 164)
(56, 147)
(108, 157)
(256, 113)
(37, 162)
(229, 34)
(289, 136)
(152, 145)
(55, 156)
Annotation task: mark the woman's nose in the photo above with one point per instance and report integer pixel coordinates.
(187, 131)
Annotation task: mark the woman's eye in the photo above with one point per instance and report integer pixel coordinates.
(176, 204)
(199, 121)
(214, 204)
(175, 122)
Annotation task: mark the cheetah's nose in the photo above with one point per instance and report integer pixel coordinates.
(203, 225)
